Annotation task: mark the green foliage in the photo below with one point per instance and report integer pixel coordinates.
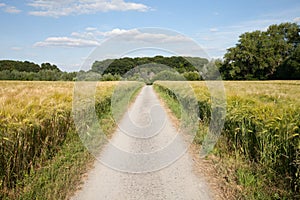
(110, 77)
(20, 66)
(48, 66)
(211, 70)
(25, 66)
(192, 76)
(87, 76)
(290, 68)
(42, 75)
(123, 65)
(59, 176)
(170, 98)
(259, 54)
(28, 71)
(168, 75)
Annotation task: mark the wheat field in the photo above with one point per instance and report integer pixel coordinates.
(35, 118)
(262, 125)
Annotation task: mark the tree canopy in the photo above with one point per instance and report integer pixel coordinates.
(29, 71)
(123, 65)
(48, 66)
(270, 54)
(25, 66)
(20, 66)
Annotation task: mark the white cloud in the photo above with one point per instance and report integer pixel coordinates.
(296, 20)
(93, 38)
(123, 32)
(85, 35)
(67, 42)
(56, 8)
(9, 9)
(213, 30)
(95, 34)
(134, 35)
(12, 9)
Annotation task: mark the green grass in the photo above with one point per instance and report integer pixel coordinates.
(261, 133)
(59, 176)
(170, 100)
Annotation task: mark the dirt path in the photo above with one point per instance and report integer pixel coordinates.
(145, 163)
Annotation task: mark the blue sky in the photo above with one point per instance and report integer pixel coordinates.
(66, 32)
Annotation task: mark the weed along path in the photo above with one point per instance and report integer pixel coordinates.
(145, 159)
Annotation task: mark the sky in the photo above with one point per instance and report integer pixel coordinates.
(67, 32)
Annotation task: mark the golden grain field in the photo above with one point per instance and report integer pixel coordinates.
(262, 124)
(35, 118)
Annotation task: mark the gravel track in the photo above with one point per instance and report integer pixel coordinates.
(145, 159)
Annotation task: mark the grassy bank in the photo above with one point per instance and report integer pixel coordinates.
(42, 156)
(260, 140)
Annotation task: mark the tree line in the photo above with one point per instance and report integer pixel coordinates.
(149, 69)
(124, 65)
(178, 68)
(26, 66)
(29, 71)
(264, 55)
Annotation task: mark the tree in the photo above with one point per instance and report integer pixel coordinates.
(192, 76)
(259, 54)
(110, 77)
(48, 66)
(290, 68)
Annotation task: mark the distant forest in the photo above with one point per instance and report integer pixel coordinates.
(140, 69)
(259, 55)
(29, 71)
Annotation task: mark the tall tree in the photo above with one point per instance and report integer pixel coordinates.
(259, 54)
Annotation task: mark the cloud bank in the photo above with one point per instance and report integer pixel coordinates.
(57, 8)
(92, 37)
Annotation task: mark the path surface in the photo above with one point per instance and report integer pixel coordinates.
(142, 144)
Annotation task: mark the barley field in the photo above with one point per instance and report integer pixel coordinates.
(261, 126)
(35, 120)
(261, 129)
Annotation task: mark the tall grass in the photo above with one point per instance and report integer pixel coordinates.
(262, 125)
(35, 118)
